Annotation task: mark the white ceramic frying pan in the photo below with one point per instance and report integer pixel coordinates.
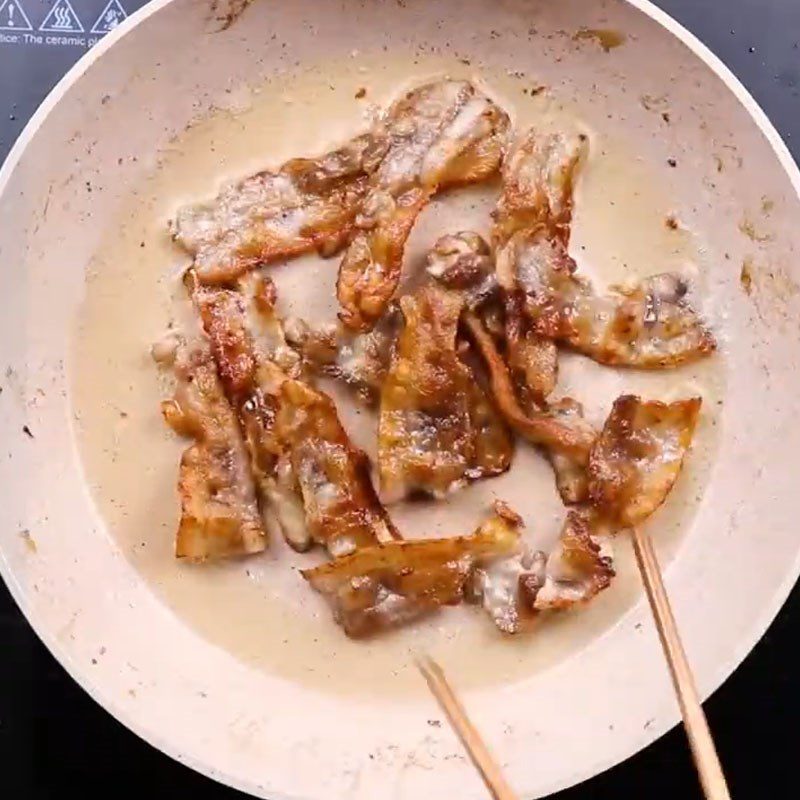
(238, 670)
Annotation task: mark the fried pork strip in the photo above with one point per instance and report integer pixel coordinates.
(538, 184)
(535, 205)
(463, 262)
(360, 360)
(560, 429)
(436, 429)
(638, 456)
(341, 507)
(577, 569)
(389, 584)
(252, 361)
(442, 134)
(219, 512)
(516, 589)
(308, 471)
(308, 204)
(649, 325)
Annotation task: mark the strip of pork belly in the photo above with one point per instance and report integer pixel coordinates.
(443, 134)
(638, 456)
(389, 584)
(219, 511)
(463, 262)
(560, 429)
(436, 429)
(308, 204)
(535, 204)
(253, 360)
(359, 359)
(648, 325)
(342, 509)
(515, 590)
(316, 482)
(362, 361)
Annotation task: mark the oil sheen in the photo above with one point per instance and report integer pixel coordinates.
(260, 609)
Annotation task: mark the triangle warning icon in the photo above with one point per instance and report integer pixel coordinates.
(62, 19)
(109, 17)
(13, 17)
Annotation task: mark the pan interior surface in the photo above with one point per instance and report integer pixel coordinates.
(681, 176)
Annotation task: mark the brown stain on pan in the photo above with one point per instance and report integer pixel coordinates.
(607, 38)
(30, 542)
(747, 227)
(224, 13)
(746, 276)
(772, 290)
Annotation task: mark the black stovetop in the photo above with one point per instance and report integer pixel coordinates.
(53, 737)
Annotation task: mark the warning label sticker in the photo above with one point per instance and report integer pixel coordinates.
(22, 25)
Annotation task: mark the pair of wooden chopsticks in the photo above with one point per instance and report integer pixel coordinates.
(704, 753)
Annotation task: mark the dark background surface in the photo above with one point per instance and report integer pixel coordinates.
(54, 738)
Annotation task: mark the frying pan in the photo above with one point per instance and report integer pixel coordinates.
(238, 672)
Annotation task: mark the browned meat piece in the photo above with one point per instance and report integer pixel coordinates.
(342, 510)
(308, 204)
(538, 182)
(253, 360)
(515, 589)
(560, 430)
(425, 440)
(463, 262)
(442, 134)
(436, 429)
(386, 585)
(359, 359)
(317, 483)
(494, 445)
(535, 206)
(649, 325)
(576, 570)
(532, 359)
(362, 360)
(219, 513)
(638, 456)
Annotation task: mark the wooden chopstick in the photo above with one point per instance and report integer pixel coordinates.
(469, 736)
(706, 760)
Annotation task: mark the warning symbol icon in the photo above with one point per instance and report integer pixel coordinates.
(62, 19)
(109, 18)
(13, 17)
